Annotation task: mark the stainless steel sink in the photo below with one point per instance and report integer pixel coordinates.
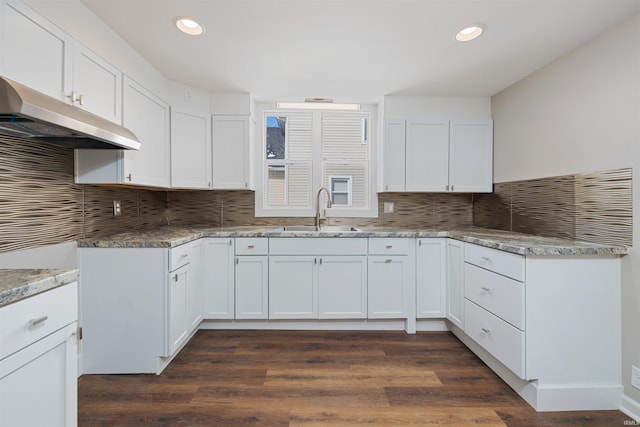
(313, 229)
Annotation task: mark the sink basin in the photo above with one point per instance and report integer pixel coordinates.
(312, 228)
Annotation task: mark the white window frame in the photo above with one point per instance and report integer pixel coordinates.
(349, 192)
(260, 169)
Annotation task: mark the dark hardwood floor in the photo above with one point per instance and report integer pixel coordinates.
(316, 378)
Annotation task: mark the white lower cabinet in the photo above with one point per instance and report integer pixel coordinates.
(252, 287)
(389, 290)
(293, 287)
(138, 315)
(218, 274)
(552, 321)
(342, 287)
(455, 283)
(317, 278)
(38, 360)
(431, 278)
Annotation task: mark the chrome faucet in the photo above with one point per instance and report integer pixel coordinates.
(318, 205)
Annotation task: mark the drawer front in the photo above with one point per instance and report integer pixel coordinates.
(498, 294)
(318, 246)
(499, 338)
(501, 262)
(252, 246)
(179, 256)
(388, 246)
(24, 322)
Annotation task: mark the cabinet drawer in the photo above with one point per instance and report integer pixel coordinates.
(501, 295)
(318, 246)
(499, 338)
(179, 256)
(388, 246)
(501, 262)
(24, 322)
(252, 246)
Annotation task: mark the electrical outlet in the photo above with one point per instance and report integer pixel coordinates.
(635, 377)
(117, 208)
(389, 207)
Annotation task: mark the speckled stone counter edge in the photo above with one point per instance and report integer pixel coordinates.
(518, 243)
(18, 284)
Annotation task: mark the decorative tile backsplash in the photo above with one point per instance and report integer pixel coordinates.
(594, 207)
(40, 204)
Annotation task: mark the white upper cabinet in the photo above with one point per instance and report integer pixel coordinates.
(97, 85)
(438, 156)
(41, 56)
(232, 137)
(427, 155)
(147, 116)
(394, 155)
(471, 156)
(190, 150)
(35, 52)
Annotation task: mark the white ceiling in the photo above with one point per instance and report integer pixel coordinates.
(357, 50)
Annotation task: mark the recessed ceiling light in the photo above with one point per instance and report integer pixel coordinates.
(469, 33)
(189, 26)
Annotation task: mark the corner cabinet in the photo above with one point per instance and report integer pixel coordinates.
(39, 360)
(232, 143)
(455, 282)
(147, 116)
(438, 156)
(190, 150)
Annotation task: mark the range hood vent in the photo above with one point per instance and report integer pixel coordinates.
(27, 113)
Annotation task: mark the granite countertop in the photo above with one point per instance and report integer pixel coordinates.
(18, 284)
(523, 244)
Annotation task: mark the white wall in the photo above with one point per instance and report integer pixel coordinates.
(437, 107)
(581, 113)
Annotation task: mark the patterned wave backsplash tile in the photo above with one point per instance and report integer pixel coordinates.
(595, 207)
(40, 205)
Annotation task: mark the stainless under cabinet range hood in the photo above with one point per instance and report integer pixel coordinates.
(27, 113)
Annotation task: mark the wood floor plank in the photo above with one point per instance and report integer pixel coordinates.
(358, 417)
(318, 378)
(351, 376)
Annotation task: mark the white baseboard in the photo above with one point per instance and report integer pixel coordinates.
(630, 407)
(312, 325)
(432, 325)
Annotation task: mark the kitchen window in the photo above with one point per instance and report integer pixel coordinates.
(303, 151)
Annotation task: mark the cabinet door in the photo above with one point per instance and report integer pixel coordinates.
(393, 157)
(231, 152)
(190, 150)
(178, 323)
(35, 52)
(38, 385)
(252, 287)
(455, 282)
(431, 278)
(427, 156)
(388, 286)
(147, 116)
(342, 287)
(218, 278)
(471, 156)
(195, 290)
(97, 85)
(293, 287)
